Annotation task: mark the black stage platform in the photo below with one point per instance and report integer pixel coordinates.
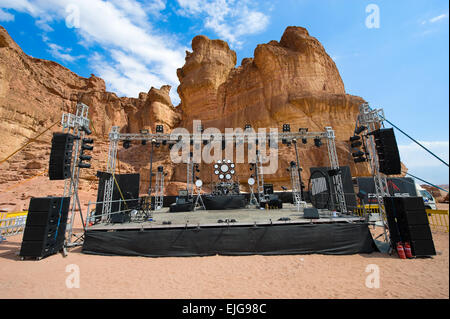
(204, 233)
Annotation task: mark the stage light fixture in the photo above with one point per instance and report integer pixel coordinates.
(286, 128)
(317, 142)
(143, 142)
(85, 146)
(358, 154)
(216, 166)
(86, 130)
(126, 144)
(247, 127)
(304, 141)
(228, 176)
(159, 129)
(216, 172)
(221, 176)
(356, 144)
(334, 172)
(355, 138)
(160, 169)
(360, 129)
(232, 171)
(360, 160)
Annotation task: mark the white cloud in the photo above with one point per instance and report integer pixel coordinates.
(60, 53)
(122, 28)
(6, 16)
(414, 156)
(438, 18)
(230, 20)
(422, 164)
(435, 19)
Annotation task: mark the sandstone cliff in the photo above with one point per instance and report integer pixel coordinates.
(291, 81)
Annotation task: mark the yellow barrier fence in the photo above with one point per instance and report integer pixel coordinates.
(12, 223)
(438, 219)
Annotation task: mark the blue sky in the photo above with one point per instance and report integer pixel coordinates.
(401, 65)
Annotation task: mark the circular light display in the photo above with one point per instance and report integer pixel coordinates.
(224, 169)
(251, 181)
(198, 183)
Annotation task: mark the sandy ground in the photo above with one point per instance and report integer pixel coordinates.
(295, 276)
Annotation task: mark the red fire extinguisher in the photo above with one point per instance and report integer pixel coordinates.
(408, 250)
(400, 251)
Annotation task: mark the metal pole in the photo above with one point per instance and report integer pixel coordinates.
(151, 166)
(299, 169)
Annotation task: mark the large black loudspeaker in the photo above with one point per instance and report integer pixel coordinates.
(60, 156)
(408, 222)
(45, 227)
(387, 150)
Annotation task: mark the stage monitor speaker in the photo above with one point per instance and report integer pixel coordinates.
(60, 156)
(408, 222)
(45, 228)
(387, 150)
(311, 213)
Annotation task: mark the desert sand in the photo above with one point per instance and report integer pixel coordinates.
(294, 276)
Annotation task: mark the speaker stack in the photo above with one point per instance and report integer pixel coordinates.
(45, 227)
(408, 222)
(61, 156)
(387, 150)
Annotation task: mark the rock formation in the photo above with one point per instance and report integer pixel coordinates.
(291, 81)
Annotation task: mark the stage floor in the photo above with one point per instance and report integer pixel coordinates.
(163, 219)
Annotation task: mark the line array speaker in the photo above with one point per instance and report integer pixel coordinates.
(45, 227)
(408, 222)
(387, 150)
(61, 156)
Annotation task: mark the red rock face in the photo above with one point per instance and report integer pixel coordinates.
(291, 81)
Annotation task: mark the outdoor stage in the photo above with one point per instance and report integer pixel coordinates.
(232, 232)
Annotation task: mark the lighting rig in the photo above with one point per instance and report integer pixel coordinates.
(77, 125)
(370, 120)
(166, 139)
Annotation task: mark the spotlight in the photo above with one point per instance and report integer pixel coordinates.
(292, 164)
(358, 154)
(286, 128)
(126, 144)
(304, 140)
(247, 127)
(360, 160)
(360, 129)
(355, 138)
(164, 142)
(143, 142)
(317, 142)
(356, 144)
(159, 129)
(160, 169)
(334, 172)
(86, 130)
